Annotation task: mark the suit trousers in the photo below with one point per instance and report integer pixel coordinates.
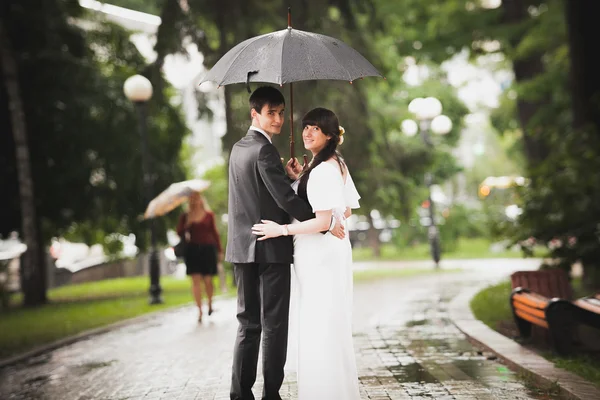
(263, 293)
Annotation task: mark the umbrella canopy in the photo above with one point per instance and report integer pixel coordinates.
(290, 55)
(174, 196)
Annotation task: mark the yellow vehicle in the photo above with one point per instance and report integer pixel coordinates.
(499, 182)
(498, 190)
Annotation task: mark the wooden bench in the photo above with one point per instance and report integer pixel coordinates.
(553, 314)
(587, 310)
(548, 282)
(543, 310)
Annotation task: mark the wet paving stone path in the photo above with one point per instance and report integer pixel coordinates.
(427, 357)
(406, 348)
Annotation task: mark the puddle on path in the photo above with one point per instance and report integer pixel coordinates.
(36, 386)
(37, 380)
(83, 369)
(39, 360)
(429, 357)
(413, 372)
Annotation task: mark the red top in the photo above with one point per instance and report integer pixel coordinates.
(202, 232)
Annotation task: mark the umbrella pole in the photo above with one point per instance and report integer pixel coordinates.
(291, 120)
(292, 105)
(291, 96)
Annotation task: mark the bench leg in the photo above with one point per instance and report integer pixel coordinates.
(561, 326)
(524, 327)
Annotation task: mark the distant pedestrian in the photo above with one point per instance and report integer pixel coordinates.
(203, 249)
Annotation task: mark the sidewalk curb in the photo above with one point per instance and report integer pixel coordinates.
(517, 357)
(4, 362)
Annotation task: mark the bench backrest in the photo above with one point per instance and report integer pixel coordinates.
(549, 282)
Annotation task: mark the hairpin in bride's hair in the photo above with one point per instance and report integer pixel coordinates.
(342, 131)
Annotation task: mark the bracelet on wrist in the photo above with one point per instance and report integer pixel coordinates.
(331, 224)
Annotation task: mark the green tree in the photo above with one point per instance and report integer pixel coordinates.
(82, 131)
(548, 45)
(32, 267)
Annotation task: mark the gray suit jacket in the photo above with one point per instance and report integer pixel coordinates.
(260, 189)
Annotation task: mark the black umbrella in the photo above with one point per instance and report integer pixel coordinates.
(287, 56)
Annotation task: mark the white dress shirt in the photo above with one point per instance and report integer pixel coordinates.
(261, 131)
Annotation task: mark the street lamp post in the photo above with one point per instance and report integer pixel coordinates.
(428, 112)
(138, 89)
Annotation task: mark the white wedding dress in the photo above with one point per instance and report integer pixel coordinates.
(321, 304)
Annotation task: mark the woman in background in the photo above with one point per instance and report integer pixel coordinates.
(203, 248)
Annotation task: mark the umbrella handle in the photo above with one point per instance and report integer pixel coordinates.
(248, 80)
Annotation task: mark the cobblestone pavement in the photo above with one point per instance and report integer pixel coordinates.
(405, 345)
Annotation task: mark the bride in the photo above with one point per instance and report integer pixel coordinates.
(322, 270)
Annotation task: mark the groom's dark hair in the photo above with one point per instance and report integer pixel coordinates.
(265, 95)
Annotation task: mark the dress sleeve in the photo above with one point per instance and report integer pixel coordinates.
(350, 193)
(325, 189)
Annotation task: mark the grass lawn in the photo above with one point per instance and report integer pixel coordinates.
(73, 309)
(110, 288)
(492, 307)
(76, 308)
(466, 249)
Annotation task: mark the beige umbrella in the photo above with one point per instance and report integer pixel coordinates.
(174, 196)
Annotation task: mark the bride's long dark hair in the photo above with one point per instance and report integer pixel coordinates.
(330, 126)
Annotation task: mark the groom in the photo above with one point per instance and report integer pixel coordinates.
(260, 190)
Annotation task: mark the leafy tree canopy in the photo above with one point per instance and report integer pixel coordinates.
(83, 132)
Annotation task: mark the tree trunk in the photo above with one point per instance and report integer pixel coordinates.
(228, 139)
(583, 31)
(32, 267)
(515, 12)
(373, 236)
(591, 277)
(167, 42)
